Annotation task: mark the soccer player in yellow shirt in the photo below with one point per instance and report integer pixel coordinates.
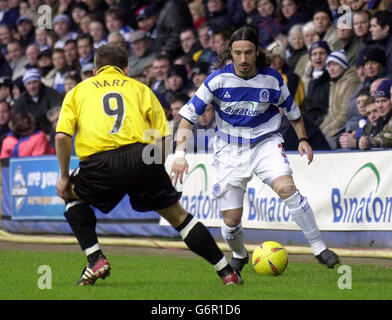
(114, 118)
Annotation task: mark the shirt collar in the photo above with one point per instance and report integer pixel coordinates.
(108, 69)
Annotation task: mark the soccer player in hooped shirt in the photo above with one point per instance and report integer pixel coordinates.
(248, 96)
(114, 116)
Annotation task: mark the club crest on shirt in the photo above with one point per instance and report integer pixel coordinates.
(264, 95)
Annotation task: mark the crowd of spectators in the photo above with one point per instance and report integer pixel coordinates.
(334, 55)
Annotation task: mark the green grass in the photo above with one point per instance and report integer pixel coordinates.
(147, 277)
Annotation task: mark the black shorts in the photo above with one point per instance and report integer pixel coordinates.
(105, 178)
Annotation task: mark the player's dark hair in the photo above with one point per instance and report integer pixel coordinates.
(111, 55)
(249, 33)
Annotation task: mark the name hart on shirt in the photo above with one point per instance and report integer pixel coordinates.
(110, 83)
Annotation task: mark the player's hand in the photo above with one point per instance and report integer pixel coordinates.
(180, 166)
(62, 187)
(304, 147)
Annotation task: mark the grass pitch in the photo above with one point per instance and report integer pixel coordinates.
(144, 277)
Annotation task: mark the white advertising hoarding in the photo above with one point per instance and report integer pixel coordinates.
(347, 191)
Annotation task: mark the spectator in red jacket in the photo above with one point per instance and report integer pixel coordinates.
(24, 140)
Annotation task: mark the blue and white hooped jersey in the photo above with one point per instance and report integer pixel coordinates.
(245, 109)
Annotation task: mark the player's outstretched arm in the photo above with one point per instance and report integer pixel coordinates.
(180, 165)
(303, 146)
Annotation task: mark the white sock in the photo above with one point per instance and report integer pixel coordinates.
(221, 264)
(303, 216)
(234, 237)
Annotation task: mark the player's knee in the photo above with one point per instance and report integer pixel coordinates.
(284, 187)
(78, 211)
(232, 218)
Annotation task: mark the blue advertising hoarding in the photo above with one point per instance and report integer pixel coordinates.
(32, 183)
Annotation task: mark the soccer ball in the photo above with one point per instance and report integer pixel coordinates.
(269, 258)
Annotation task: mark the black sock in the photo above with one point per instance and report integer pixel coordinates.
(200, 241)
(91, 258)
(82, 221)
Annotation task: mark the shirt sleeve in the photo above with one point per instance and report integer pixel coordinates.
(196, 106)
(157, 116)
(287, 103)
(67, 117)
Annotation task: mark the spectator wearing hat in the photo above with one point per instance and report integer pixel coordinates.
(322, 18)
(176, 81)
(173, 18)
(383, 139)
(368, 124)
(37, 99)
(62, 27)
(97, 31)
(375, 65)
(146, 18)
(17, 58)
(190, 44)
(6, 91)
(24, 139)
(344, 81)
(381, 32)
(142, 55)
(293, 81)
(199, 73)
(85, 45)
(26, 30)
(5, 115)
(317, 92)
(268, 25)
(45, 67)
(369, 76)
(87, 71)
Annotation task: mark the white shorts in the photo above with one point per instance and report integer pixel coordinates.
(234, 166)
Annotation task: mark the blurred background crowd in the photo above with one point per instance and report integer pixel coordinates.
(335, 56)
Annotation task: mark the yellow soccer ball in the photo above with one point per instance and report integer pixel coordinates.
(270, 258)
